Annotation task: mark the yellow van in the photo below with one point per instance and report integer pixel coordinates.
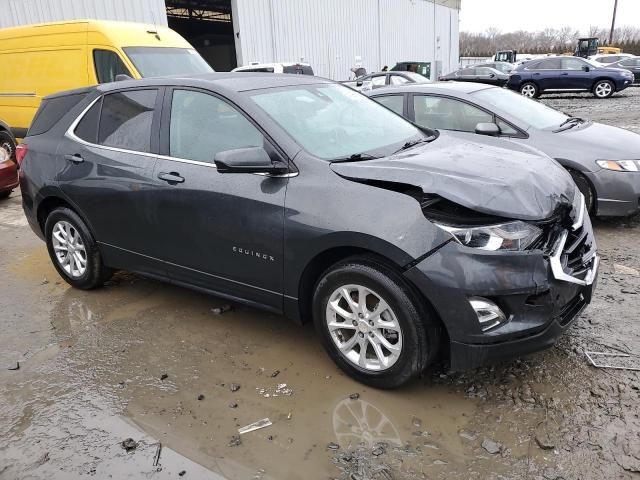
(39, 60)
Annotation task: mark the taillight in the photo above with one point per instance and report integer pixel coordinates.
(21, 152)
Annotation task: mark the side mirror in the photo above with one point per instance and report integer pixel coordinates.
(490, 129)
(359, 83)
(248, 160)
(493, 75)
(586, 68)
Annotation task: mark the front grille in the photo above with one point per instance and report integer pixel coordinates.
(578, 251)
(571, 309)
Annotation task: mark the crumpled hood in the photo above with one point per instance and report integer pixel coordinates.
(489, 179)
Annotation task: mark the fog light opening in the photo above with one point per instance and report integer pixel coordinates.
(489, 314)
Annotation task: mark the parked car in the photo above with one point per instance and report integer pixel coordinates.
(8, 171)
(606, 60)
(567, 74)
(299, 195)
(489, 76)
(602, 160)
(631, 64)
(52, 57)
(421, 68)
(291, 67)
(504, 67)
(382, 79)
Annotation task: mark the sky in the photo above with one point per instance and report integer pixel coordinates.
(511, 15)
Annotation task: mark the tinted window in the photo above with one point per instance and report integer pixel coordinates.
(261, 69)
(448, 114)
(572, 64)
(203, 125)
(392, 102)
(551, 64)
(108, 65)
(125, 121)
(298, 69)
(398, 80)
(631, 62)
(51, 111)
(87, 129)
(484, 71)
(466, 71)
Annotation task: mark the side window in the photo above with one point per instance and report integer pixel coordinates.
(466, 72)
(392, 102)
(448, 114)
(203, 125)
(108, 64)
(551, 64)
(398, 80)
(506, 129)
(87, 129)
(379, 81)
(125, 120)
(572, 64)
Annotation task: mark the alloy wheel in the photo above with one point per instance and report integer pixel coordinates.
(364, 328)
(5, 152)
(528, 91)
(603, 90)
(69, 249)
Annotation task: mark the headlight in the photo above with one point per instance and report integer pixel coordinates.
(512, 236)
(619, 165)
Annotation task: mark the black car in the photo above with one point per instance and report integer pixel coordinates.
(486, 75)
(567, 75)
(301, 196)
(631, 64)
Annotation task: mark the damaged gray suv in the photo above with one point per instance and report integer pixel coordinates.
(303, 197)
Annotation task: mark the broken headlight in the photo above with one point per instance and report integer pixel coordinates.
(512, 236)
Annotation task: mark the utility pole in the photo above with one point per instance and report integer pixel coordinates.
(613, 22)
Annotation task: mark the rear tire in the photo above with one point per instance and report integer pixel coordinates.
(7, 146)
(604, 89)
(530, 90)
(73, 250)
(383, 311)
(586, 189)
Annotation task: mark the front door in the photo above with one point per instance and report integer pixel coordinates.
(577, 77)
(110, 161)
(222, 232)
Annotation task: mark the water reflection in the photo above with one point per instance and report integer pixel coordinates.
(359, 422)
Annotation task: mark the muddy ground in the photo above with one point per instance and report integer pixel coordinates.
(154, 363)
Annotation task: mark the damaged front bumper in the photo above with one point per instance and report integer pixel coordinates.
(541, 292)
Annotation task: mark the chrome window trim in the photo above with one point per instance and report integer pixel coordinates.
(70, 133)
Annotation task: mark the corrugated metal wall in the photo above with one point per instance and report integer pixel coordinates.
(333, 35)
(24, 12)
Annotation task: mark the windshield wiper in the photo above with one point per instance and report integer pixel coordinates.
(356, 157)
(569, 123)
(413, 143)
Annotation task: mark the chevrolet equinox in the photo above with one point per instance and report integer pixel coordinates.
(301, 196)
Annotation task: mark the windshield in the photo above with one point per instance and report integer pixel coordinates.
(335, 122)
(522, 108)
(163, 61)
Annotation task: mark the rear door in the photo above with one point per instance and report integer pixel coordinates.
(110, 156)
(222, 232)
(549, 75)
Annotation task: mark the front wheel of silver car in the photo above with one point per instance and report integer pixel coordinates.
(603, 89)
(73, 250)
(373, 324)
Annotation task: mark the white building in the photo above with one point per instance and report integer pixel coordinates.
(331, 35)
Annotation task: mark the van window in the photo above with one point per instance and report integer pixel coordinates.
(203, 125)
(163, 61)
(108, 64)
(52, 110)
(87, 128)
(125, 120)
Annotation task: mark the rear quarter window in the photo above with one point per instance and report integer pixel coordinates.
(51, 112)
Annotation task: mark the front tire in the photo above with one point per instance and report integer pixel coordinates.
(372, 324)
(73, 250)
(604, 89)
(585, 188)
(530, 90)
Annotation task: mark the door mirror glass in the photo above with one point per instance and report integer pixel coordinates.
(248, 160)
(490, 129)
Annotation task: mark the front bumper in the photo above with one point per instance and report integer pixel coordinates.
(539, 306)
(618, 193)
(8, 175)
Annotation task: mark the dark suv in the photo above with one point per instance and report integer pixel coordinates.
(567, 74)
(301, 196)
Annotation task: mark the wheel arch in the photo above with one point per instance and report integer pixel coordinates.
(49, 203)
(600, 79)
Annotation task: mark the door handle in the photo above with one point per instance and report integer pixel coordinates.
(171, 178)
(75, 158)
(564, 74)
